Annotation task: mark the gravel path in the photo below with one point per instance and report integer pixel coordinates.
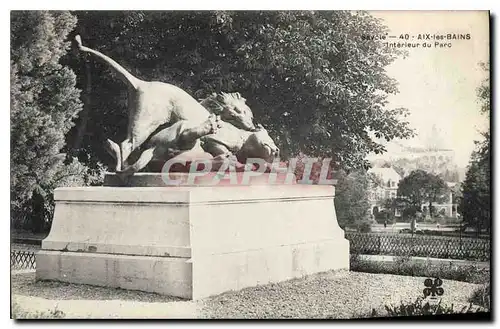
(23, 283)
(110, 309)
(326, 295)
(85, 301)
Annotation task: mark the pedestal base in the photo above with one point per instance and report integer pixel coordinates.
(192, 242)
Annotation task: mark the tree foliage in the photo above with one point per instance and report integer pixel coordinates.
(420, 187)
(475, 202)
(351, 197)
(310, 77)
(44, 103)
(390, 206)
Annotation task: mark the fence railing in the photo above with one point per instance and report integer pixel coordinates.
(419, 246)
(22, 259)
(364, 243)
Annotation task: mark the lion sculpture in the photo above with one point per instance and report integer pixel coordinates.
(153, 105)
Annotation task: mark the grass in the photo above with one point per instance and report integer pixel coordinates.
(420, 307)
(482, 296)
(403, 265)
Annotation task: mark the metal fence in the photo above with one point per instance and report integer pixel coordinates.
(366, 244)
(419, 246)
(22, 259)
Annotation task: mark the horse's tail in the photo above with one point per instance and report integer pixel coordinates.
(122, 73)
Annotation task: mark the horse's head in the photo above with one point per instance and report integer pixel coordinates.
(231, 108)
(259, 145)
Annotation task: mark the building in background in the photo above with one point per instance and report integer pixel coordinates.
(445, 209)
(384, 187)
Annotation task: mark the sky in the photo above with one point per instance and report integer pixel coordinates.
(438, 85)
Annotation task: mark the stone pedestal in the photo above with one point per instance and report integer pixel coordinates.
(191, 242)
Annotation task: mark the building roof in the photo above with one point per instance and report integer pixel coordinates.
(385, 174)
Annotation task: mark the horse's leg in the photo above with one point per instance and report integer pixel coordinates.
(162, 143)
(140, 127)
(180, 136)
(142, 162)
(183, 135)
(125, 150)
(114, 150)
(158, 147)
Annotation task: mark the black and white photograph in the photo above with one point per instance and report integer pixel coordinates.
(250, 164)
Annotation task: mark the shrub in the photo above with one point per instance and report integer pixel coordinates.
(44, 105)
(363, 226)
(453, 271)
(482, 297)
(404, 265)
(418, 308)
(384, 215)
(354, 258)
(358, 264)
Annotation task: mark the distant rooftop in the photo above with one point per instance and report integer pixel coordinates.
(385, 174)
(425, 150)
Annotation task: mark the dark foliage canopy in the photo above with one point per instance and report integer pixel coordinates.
(310, 77)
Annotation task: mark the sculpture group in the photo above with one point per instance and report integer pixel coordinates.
(166, 122)
(132, 233)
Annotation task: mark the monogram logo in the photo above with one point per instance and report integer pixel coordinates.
(433, 288)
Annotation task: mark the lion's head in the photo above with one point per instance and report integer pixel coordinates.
(231, 108)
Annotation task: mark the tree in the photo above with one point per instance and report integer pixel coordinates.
(351, 197)
(311, 78)
(387, 214)
(475, 202)
(420, 187)
(44, 103)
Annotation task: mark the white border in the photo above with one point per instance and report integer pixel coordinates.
(198, 5)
